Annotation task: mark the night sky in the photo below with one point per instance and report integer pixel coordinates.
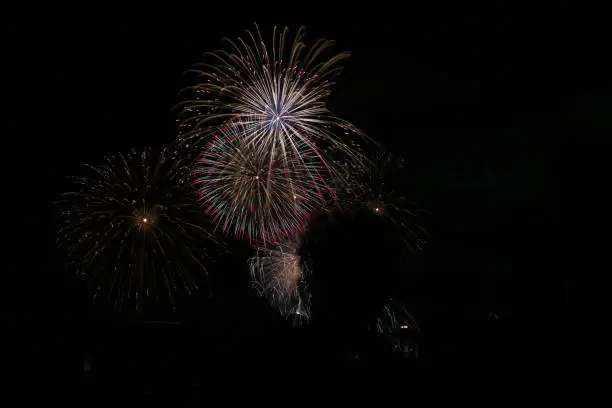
(498, 115)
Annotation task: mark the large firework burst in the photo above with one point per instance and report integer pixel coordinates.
(278, 274)
(260, 194)
(375, 186)
(276, 90)
(131, 227)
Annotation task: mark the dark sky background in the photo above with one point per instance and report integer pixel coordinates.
(499, 114)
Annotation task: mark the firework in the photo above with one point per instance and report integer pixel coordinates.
(278, 274)
(393, 318)
(256, 193)
(373, 186)
(278, 91)
(132, 229)
(398, 328)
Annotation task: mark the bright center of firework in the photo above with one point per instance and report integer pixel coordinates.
(377, 207)
(276, 118)
(256, 177)
(144, 219)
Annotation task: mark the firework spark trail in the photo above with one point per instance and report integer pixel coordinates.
(374, 186)
(131, 228)
(257, 193)
(277, 92)
(392, 318)
(278, 275)
(398, 327)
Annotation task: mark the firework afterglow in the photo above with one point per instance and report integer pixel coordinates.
(278, 274)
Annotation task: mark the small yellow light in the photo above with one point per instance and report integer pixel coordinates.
(145, 220)
(404, 326)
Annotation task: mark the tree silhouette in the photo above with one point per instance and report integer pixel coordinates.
(354, 261)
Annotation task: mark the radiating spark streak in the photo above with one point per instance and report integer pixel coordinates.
(394, 317)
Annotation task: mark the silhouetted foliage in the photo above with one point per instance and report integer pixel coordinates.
(354, 262)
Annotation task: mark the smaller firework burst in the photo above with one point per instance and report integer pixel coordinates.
(375, 187)
(262, 194)
(278, 274)
(132, 229)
